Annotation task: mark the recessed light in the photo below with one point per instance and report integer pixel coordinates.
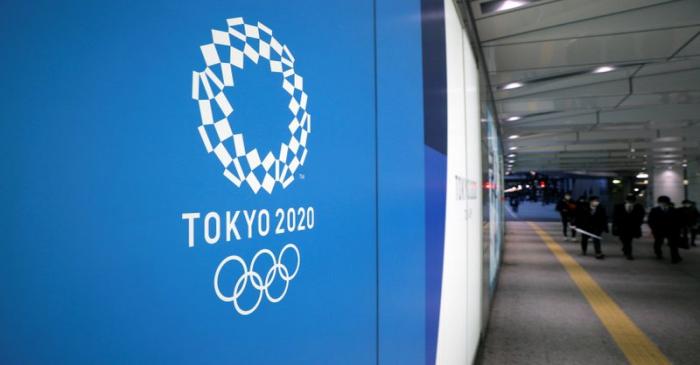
(513, 136)
(511, 161)
(513, 85)
(495, 6)
(603, 69)
(511, 4)
(514, 118)
(513, 148)
(642, 175)
(512, 155)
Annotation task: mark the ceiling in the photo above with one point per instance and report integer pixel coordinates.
(642, 111)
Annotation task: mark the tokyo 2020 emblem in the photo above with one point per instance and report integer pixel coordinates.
(244, 43)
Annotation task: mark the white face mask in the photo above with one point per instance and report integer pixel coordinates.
(594, 204)
(567, 197)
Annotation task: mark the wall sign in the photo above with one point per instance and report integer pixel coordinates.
(228, 54)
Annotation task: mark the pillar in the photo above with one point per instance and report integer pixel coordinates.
(668, 181)
(693, 174)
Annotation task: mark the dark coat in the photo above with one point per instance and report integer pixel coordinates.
(666, 223)
(595, 222)
(566, 208)
(628, 224)
(690, 216)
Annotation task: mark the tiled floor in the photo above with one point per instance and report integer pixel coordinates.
(539, 315)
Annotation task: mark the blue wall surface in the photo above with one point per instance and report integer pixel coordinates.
(401, 199)
(139, 229)
(102, 157)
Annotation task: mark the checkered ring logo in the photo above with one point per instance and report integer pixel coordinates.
(249, 43)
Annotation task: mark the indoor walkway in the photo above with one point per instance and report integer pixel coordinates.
(643, 311)
(532, 211)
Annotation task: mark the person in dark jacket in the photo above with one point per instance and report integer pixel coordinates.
(514, 203)
(691, 218)
(665, 224)
(592, 219)
(567, 208)
(627, 223)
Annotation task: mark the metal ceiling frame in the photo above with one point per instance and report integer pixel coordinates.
(565, 113)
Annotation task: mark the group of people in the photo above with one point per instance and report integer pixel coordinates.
(677, 227)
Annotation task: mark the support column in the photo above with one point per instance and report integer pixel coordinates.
(694, 181)
(668, 181)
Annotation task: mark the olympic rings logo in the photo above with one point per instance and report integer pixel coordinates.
(250, 276)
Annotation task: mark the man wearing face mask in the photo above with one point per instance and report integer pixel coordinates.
(690, 216)
(665, 224)
(566, 208)
(627, 223)
(594, 221)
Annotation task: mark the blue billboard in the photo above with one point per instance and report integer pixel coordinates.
(178, 178)
(235, 182)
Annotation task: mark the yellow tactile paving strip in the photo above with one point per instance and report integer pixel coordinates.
(636, 346)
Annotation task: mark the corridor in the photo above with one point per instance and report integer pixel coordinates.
(540, 315)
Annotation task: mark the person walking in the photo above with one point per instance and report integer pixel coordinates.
(690, 215)
(567, 209)
(594, 221)
(665, 224)
(627, 223)
(514, 203)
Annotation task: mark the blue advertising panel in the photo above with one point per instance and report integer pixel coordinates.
(400, 183)
(188, 182)
(239, 182)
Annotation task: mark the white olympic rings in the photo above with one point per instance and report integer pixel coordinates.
(256, 281)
